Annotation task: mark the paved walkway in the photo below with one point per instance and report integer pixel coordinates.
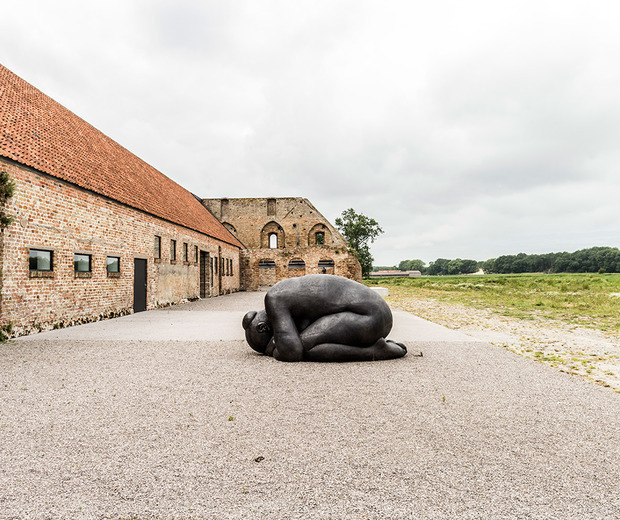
(168, 414)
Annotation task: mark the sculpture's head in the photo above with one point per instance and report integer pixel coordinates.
(258, 331)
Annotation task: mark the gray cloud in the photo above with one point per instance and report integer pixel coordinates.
(466, 129)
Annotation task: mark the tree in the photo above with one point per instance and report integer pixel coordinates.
(412, 265)
(358, 230)
(7, 187)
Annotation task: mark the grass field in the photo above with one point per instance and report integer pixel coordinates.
(589, 300)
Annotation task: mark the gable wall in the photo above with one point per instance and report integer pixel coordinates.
(295, 220)
(53, 214)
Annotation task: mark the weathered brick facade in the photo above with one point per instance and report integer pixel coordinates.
(87, 217)
(284, 237)
(53, 215)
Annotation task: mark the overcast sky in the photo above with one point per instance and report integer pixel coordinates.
(467, 129)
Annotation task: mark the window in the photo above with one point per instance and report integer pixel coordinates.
(113, 264)
(173, 250)
(273, 240)
(266, 264)
(228, 267)
(215, 264)
(185, 253)
(82, 263)
(320, 238)
(157, 252)
(196, 254)
(231, 267)
(41, 260)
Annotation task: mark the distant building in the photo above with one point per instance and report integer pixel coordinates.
(392, 273)
(284, 237)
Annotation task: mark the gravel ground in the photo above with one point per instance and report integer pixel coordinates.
(589, 353)
(138, 429)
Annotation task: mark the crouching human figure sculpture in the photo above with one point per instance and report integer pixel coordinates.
(322, 318)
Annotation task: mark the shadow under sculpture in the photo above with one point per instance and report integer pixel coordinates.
(322, 317)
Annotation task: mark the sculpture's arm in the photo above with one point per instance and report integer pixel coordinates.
(286, 340)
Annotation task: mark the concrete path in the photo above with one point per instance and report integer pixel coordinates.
(168, 414)
(219, 319)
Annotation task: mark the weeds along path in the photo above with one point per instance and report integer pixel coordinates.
(570, 348)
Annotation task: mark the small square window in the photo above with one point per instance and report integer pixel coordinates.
(82, 263)
(113, 264)
(157, 252)
(173, 250)
(185, 253)
(41, 260)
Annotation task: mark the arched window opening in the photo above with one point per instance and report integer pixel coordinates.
(319, 235)
(230, 227)
(297, 263)
(272, 236)
(266, 264)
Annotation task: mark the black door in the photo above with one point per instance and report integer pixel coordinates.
(139, 285)
(204, 274)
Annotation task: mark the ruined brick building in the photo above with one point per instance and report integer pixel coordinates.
(284, 238)
(97, 232)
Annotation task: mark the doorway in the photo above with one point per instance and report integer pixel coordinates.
(205, 264)
(139, 285)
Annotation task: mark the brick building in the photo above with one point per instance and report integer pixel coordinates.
(97, 232)
(284, 237)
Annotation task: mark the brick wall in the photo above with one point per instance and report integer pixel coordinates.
(295, 222)
(53, 215)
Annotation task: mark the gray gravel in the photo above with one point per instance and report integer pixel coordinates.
(205, 428)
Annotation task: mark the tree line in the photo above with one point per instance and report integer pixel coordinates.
(592, 260)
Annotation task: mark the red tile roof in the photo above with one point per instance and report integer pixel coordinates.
(38, 132)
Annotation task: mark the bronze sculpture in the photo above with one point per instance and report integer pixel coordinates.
(322, 318)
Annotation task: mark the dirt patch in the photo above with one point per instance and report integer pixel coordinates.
(586, 352)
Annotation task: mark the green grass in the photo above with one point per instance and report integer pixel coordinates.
(590, 300)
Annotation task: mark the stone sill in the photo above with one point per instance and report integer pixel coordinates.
(83, 275)
(41, 274)
(114, 275)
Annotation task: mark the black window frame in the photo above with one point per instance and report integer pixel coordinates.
(107, 265)
(185, 252)
(38, 250)
(173, 250)
(75, 263)
(157, 248)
